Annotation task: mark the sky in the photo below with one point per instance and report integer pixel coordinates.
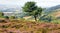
(42, 3)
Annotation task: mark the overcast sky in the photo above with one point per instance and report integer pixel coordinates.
(42, 3)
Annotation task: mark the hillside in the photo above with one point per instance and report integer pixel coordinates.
(55, 13)
(21, 26)
(51, 9)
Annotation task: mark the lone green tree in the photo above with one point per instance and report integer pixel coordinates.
(32, 9)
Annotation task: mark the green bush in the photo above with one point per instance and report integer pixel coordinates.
(56, 21)
(46, 18)
(6, 17)
(12, 17)
(1, 15)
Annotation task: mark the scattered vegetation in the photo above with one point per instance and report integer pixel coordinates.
(13, 24)
(21, 26)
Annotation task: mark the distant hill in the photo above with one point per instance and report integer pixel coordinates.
(56, 13)
(9, 8)
(51, 9)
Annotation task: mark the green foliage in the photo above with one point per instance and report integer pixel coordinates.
(12, 17)
(6, 17)
(29, 7)
(37, 12)
(1, 15)
(21, 19)
(46, 18)
(56, 21)
(32, 9)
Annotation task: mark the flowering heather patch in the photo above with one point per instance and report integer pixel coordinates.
(20, 26)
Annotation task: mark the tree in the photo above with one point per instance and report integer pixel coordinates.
(32, 9)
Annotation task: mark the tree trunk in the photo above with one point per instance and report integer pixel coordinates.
(35, 18)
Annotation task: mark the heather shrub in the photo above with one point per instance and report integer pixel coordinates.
(2, 21)
(17, 26)
(31, 31)
(5, 26)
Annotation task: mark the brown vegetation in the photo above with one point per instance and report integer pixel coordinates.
(21, 26)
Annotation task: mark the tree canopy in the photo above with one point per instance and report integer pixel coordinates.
(32, 9)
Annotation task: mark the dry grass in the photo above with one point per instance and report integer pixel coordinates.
(21, 26)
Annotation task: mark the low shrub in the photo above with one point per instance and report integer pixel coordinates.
(6, 17)
(5, 26)
(12, 17)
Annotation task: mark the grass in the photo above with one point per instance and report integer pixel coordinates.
(23, 26)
